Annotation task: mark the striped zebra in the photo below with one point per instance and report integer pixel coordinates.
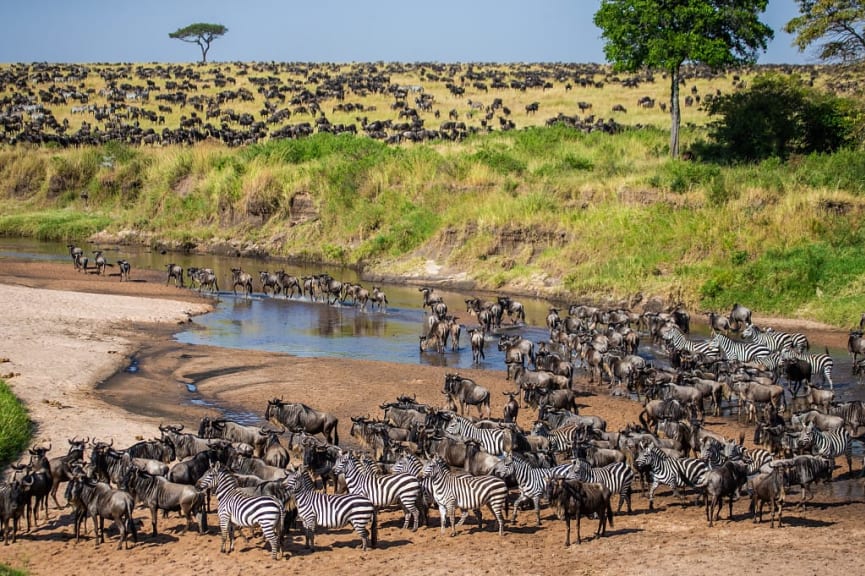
(411, 464)
(492, 440)
(676, 340)
(715, 453)
(618, 477)
(237, 509)
(532, 481)
(561, 439)
(828, 444)
(740, 351)
(820, 364)
(452, 491)
(673, 472)
(776, 341)
(382, 490)
(331, 510)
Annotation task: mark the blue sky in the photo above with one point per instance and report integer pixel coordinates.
(325, 31)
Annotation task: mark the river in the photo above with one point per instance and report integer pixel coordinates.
(315, 329)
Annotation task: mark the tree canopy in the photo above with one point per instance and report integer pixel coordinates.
(664, 35)
(841, 23)
(200, 33)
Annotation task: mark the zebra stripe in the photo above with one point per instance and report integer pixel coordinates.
(466, 492)
(820, 364)
(852, 412)
(740, 351)
(331, 510)
(776, 341)
(533, 481)
(828, 444)
(382, 491)
(676, 339)
(237, 509)
(675, 473)
(617, 476)
(491, 440)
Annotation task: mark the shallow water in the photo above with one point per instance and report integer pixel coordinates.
(304, 328)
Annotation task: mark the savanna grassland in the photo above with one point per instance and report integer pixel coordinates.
(591, 206)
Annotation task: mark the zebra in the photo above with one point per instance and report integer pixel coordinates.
(491, 440)
(675, 473)
(331, 510)
(820, 364)
(411, 464)
(677, 341)
(236, 508)
(466, 492)
(532, 481)
(561, 439)
(617, 476)
(740, 351)
(776, 341)
(827, 444)
(384, 490)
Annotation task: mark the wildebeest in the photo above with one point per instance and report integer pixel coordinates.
(575, 499)
(157, 493)
(101, 501)
(125, 269)
(300, 416)
(768, 487)
(725, 480)
(466, 391)
(233, 432)
(739, 317)
(242, 279)
(175, 271)
(12, 506)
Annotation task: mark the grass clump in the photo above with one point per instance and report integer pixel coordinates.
(15, 426)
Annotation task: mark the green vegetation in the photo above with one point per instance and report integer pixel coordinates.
(588, 214)
(7, 571)
(14, 427)
(549, 210)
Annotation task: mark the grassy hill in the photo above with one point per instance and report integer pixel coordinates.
(547, 210)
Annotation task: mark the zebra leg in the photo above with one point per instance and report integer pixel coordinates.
(223, 532)
(360, 528)
(444, 512)
(463, 516)
(537, 502)
(652, 489)
(522, 497)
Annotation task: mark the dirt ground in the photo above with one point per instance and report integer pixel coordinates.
(67, 333)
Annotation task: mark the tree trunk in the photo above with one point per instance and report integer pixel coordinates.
(675, 112)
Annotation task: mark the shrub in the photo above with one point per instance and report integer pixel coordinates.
(778, 116)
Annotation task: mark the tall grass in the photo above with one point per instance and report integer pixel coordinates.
(14, 426)
(579, 214)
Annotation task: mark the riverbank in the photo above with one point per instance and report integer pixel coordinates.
(67, 332)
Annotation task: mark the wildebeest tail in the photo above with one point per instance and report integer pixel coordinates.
(610, 512)
(374, 529)
(130, 521)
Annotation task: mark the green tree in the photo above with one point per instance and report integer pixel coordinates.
(665, 34)
(201, 34)
(840, 22)
(778, 116)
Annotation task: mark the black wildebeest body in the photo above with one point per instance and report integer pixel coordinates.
(575, 499)
(62, 466)
(242, 279)
(297, 415)
(101, 501)
(175, 271)
(739, 317)
(768, 487)
(233, 432)
(724, 481)
(12, 506)
(157, 493)
(466, 391)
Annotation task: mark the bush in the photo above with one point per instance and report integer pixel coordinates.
(778, 117)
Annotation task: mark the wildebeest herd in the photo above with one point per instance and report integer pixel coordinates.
(245, 103)
(293, 468)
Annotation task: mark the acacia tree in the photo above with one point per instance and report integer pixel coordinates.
(840, 22)
(665, 34)
(201, 34)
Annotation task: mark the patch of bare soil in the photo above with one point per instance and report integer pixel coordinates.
(670, 539)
